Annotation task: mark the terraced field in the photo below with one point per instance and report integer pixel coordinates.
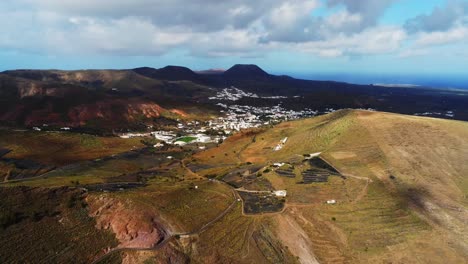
(315, 175)
(289, 172)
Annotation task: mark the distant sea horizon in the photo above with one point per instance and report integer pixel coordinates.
(447, 81)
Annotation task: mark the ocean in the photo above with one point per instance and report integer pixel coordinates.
(426, 80)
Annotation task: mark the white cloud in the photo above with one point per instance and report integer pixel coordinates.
(343, 19)
(413, 53)
(440, 19)
(442, 37)
(368, 10)
(378, 40)
(218, 28)
(289, 13)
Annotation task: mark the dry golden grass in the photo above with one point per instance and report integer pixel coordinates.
(405, 199)
(55, 148)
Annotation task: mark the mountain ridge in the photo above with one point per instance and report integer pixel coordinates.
(39, 94)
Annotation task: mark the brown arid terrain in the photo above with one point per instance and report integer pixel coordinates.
(405, 194)
(398, 183)
(95, 99)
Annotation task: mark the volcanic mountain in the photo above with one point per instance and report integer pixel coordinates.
(34, 97)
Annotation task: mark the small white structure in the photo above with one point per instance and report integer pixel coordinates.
(331, 202)
(201, 138)
(196, 186)
(180, 143)
(202, 147)
(36, 129)
(313, 155)
(281, 144)
(132, 135)
(163, 135)
(278, 147)
(280, 193)
(170, 157)
(278, 164)
(158, 145)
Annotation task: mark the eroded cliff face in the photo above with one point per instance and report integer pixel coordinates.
(117, 109)
(39, 90)
(110, 112)
(133, 227)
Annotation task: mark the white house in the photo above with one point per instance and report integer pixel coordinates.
(331, 202)
(280, 193)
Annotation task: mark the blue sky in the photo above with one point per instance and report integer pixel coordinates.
(318, 36)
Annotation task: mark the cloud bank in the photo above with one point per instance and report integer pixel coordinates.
(211, 28)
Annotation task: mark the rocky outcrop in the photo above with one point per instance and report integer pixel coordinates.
(134, 227)
(122, 110)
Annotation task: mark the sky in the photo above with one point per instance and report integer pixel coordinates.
(291, 36)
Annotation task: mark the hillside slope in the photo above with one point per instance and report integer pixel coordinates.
(97, 99)
(34, 97)
(399, 185)
(404, 198)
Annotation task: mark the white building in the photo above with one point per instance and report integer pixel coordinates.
(163, 135)
(158, 145)
(201, 138)
(180, 143)
(280, 193)
(278, 164)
